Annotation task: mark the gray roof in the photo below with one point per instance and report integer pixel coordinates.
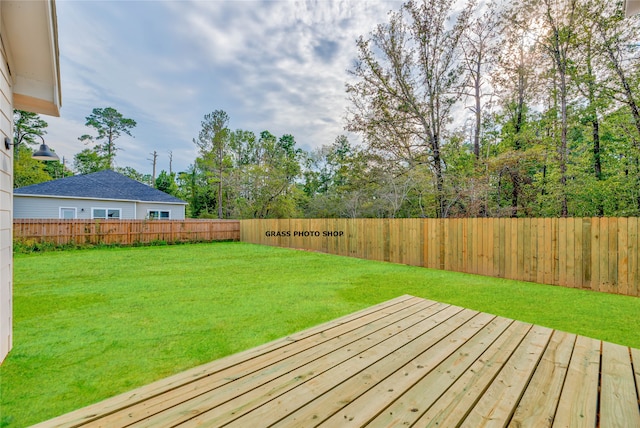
(105, 184)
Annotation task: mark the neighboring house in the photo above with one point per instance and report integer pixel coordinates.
(29, 80)
(100, 195)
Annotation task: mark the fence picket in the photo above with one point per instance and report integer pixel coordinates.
(634, 257)
(601, 254)
(124, 232)
(591, 253)
(623, 256)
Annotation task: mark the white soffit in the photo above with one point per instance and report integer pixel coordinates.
(30, 40)
(631, 7)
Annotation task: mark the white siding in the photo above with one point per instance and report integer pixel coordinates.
(177, 211)
(36, 207)
(20, 32)
(6, 203)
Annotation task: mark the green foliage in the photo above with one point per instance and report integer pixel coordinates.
(26, 125)
(213, 144)
(57, 169)
(109, 124)
(533, 111)
(240, 176)
(135, 175)
(558, 137)
(167, 183)
(88, 325)
(90, 160)
(338, 181)
(32, 246)
(26, 170)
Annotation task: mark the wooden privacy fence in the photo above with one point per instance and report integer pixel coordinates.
(125, 232)
(598, 254)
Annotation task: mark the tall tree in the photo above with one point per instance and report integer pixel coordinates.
(589, 75)
(213, 143)
(408, 79)
(272, 177)
(154, 163)
(619, 39)
(559, 19)
(88, 161)
(188, 189)
(26, 125)
(166, 182)
(516, 79)
(480, 51)
(110, 125)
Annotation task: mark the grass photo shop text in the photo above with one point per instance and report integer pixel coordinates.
(303, 233)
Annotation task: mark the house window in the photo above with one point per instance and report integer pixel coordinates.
(106, 213)
(157, 214)
(68, 213)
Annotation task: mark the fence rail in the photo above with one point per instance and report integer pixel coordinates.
(125, 232)
(600, 254)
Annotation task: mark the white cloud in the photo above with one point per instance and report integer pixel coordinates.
(276, 65)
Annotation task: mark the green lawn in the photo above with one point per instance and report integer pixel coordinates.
(89, 324)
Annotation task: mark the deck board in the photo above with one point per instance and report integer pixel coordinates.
(578, 404)
(267, 404)
(619, 394)
(387, 379)
(404, 362)
(249, 375)
(499, 400)
(409, 405)
(539, 403)
(456, 403)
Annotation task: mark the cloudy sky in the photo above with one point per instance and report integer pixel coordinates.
(277, 65)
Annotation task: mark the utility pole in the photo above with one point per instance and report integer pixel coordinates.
(153, 161)
(170, 162)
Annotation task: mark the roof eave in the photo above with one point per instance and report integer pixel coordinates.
(31, 48)
(26, 195)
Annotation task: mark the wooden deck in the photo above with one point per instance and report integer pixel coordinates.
(405, 362)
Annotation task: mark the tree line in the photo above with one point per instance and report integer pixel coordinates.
(518, 109)
(524, 108)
